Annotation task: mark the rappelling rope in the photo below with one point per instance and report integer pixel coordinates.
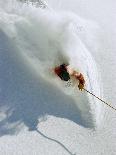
(100, 99)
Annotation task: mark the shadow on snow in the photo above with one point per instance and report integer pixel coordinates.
(24, 97)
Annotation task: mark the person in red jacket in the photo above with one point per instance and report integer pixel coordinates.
(65, 72)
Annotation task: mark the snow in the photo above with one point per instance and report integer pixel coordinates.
(38, 113)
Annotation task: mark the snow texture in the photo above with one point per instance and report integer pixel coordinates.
(36, 107)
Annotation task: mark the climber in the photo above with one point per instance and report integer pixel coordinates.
(65, 72)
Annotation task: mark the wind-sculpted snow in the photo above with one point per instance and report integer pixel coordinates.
(32, 42)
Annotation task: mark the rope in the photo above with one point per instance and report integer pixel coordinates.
(100, 99)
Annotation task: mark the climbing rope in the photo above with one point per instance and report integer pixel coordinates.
(100, 99)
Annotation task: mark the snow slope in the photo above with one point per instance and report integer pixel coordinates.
(42, 117)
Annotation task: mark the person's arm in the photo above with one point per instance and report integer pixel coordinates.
(81, 81)
(78, 76)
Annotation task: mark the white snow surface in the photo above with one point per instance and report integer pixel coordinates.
(39, 114)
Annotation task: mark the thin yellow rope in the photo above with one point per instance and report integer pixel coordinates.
(100, 99)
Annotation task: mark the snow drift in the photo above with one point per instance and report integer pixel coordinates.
(42, 39)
